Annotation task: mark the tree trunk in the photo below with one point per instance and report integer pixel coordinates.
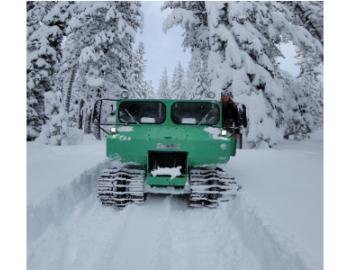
(70, 86)
(96, 126)
(81, 115)
(87, 123)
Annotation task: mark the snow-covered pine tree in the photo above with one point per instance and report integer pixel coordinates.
(296, 114)
(243, 47)
(35, 101)
(304, 100)
(67, 75)
(137, 81)
(309, 90)
(178, 88)
(164, 87)
(55, 103)
(192, 16)
(101, 39)
(241, 60)
(309, 14)
(77, 52)
(313, 84)
(36, 10)
(147, 89)
(150, 89)
(197, 83)
(43, 56)
(311, 79)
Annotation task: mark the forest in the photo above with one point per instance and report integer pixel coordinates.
(79, 52)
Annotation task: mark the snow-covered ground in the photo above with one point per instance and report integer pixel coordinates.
(50, 167)
(274, 223)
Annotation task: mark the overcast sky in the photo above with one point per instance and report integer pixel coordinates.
(162, 49)
(165, 49)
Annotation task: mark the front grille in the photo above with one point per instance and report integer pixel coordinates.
(167, 159)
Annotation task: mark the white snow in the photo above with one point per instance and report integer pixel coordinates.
(215, 133)
(173, 172)
(178, 16)
(188, 121)
(50, 167)
(274, 223)
(125, 128)
(94, 82)
(148, 120)
(285, 184)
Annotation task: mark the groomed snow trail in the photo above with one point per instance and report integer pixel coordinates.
(71, 230)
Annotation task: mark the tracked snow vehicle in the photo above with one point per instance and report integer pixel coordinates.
(165, 146)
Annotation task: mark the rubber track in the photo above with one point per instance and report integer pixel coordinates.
(120, 186)
(210, 186)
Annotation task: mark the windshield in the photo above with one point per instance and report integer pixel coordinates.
(195, 113)
(142, 112)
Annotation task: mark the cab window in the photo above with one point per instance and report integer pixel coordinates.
(142, 112)
(195, 113)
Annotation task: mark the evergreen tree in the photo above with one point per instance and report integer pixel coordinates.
(36, 11)
(139, 85)
(97, 57)
(197, 83)
(107, 32)
(304, 99)
(308, 90)
(42, 64)
(57, 16)
(192, 16)
(243, 47)
(178, 89)
(308, 14)
(77, 52)
(164, 88)
(150, 89)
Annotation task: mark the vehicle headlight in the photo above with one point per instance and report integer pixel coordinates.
(223, 133)
(113, 130)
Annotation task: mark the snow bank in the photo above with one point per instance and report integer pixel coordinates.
(285, 185)
(173, 172)
(215, 132)
(50, 167)
(125, 129)
(61, 201)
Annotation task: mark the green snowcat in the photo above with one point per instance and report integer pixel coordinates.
(165, 146)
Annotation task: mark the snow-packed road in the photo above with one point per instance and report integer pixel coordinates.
(268, 226)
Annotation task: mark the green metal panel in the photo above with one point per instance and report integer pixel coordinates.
(166, 181)
(202, 147)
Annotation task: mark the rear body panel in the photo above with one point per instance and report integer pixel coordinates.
(201, 146)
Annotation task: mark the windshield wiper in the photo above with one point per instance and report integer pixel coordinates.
(131, 116)
(204, 118)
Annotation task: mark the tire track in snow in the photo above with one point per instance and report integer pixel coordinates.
(62, 202)
(272, 248)
(71, 230)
